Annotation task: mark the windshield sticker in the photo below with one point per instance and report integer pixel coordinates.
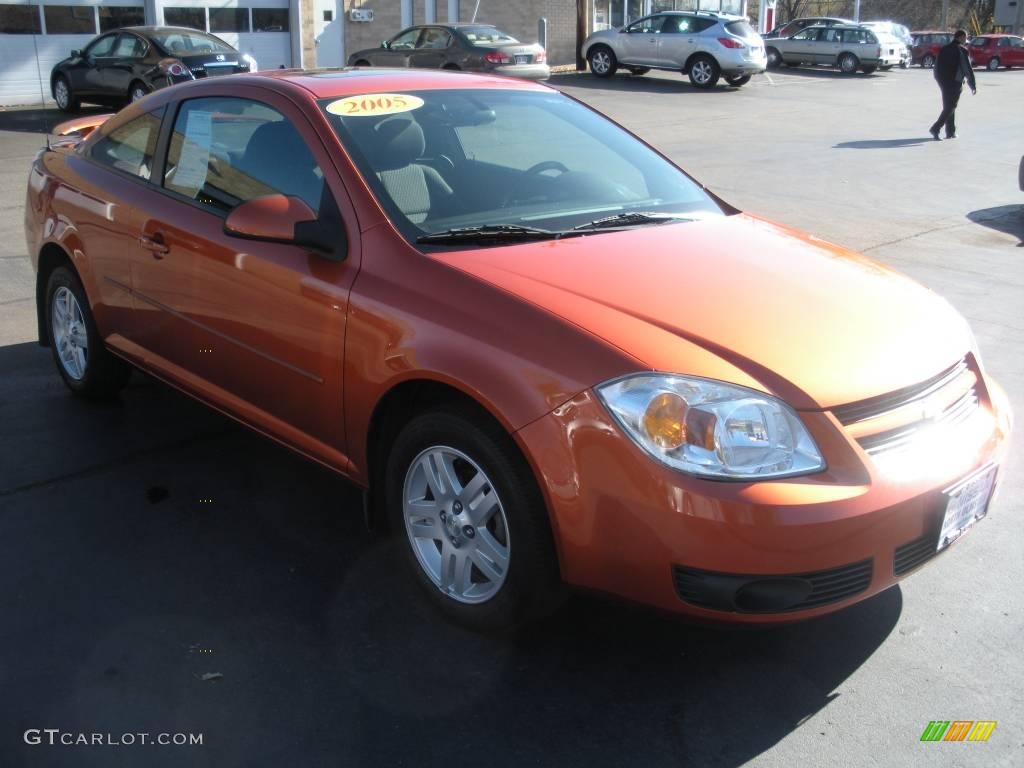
(195, 154)
(374, 104)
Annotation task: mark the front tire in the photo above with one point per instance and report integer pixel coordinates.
(82, 359)
(737, 81)
(928, 61)
(774, 58)
(64, 96)
(474, 523)
(848, 63)
(993, 64)
(602, 61)
(703, 72)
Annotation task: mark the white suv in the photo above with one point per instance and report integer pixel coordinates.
(700, 44)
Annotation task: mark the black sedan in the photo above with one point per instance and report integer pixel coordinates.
(126, 64)
(470, 47)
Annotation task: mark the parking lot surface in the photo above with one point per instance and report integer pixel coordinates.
(147, 543)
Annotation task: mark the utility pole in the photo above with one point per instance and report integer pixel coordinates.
(945, 15)
(856, 10)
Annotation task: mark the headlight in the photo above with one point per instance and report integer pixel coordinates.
(252, 63)
(712, 429)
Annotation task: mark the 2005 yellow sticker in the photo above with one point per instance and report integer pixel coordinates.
(374, 104)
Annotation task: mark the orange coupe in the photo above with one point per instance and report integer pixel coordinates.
(548, 354)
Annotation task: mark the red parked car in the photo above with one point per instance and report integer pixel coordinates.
(995, 51)
(926, 46)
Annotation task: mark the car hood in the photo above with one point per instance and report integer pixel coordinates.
(742, 300)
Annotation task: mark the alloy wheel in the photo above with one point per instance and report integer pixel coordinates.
(701, 71)
(138, 92)
(69, 333)
(600, 62)
(61, 93)
(456, 525)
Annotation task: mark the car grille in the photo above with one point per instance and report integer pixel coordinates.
(727, 592)
(900, 420)
(914, 554)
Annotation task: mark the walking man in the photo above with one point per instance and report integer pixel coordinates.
(952, 66)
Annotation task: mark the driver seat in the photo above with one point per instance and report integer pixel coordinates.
(418, 190)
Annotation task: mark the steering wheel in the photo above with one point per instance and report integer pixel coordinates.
(533, 170)
(547, 165)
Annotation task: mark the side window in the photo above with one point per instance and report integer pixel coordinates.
(406, 39)
(102, 47)
(129, 47)
(832, 35)
(224, 151)
(131, 147)
(434, 38)
(675, 25)
(807, 34)
(699, 25)
(1004, 42)
(649, 26)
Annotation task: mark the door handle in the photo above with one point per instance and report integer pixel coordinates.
(155, 245)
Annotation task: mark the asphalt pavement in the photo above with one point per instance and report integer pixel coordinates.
(166, 571)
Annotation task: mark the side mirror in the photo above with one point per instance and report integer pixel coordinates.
(385, 43)
(283, 219)
(76, 53)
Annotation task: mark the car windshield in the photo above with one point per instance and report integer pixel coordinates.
(440, 160)
(183, 42)
(487, 36)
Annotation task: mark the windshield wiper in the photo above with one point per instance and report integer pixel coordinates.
(631, 219)
(489, 233)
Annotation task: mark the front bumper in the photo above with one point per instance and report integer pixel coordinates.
(629, 526)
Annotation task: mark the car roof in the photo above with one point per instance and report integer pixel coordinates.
(713, 14)
(995, 34)
(352, 81)
(931, 32)
(145, 30)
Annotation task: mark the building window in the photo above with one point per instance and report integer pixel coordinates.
(116, 16)
(193, 18)
(70, 19)
(271, 19)
(229, 19)
(19, 20)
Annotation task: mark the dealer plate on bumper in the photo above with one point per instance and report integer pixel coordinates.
(967, 502)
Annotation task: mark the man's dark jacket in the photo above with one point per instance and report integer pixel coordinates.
(952, 66)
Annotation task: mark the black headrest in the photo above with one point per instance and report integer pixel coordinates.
(398, 142)
(276, 139)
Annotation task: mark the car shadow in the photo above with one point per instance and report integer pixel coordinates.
(821, 73)
(650, 83)
(883, 143)
(1008, 219)
(148, 543)
(39, 120)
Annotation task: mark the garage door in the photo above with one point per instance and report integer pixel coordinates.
(34, 37)
(259, 29)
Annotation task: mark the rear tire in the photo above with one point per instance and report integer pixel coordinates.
(137, 90)
(774, 58)
(602, 61)
(82, 359)
(64, 96)
(474, 524)
(703, 72)
(928, 61)
(993, 64)
(848, 63)
(738, 80)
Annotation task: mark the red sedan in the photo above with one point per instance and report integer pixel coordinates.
(549, 355)
(995, 51)
(927, 44)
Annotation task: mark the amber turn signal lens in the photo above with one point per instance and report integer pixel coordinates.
(665, 420)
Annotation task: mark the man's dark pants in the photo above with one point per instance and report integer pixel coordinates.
(950, 98)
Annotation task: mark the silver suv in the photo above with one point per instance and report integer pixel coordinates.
(700, 44)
